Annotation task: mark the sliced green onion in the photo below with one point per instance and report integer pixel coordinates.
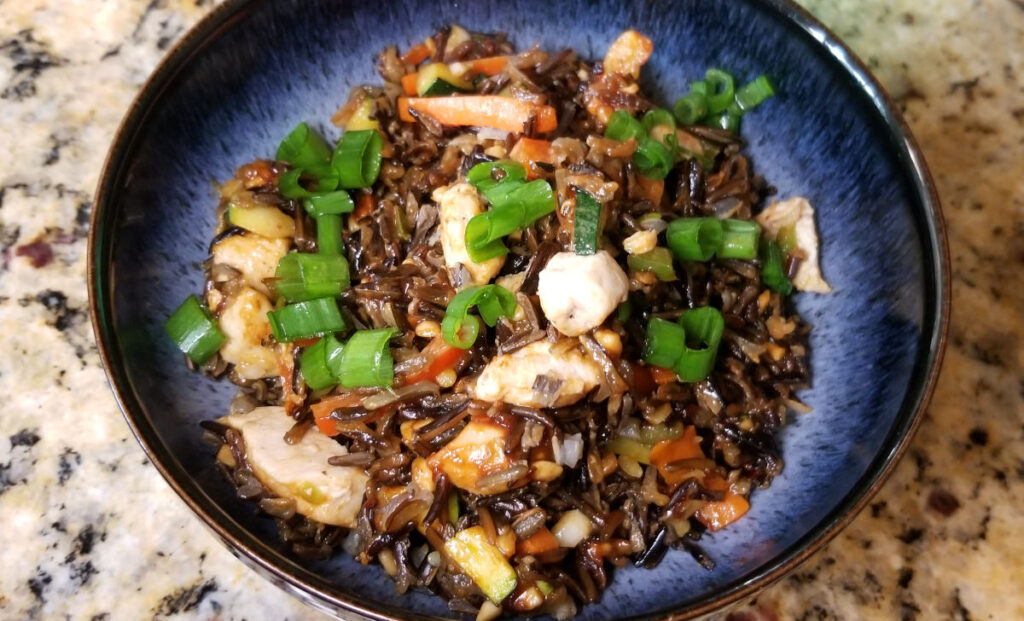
(754, 93)
(586, 222)
(303, 148)
(694, 239)
(501, 193)
(536, 198)
(690, 108)
(303, 276)
(700, 87)
(665, 343)
(194, 330)
(739, 239)
(625, 310)
(357, 158)
(773, 272)
(313, 364)
(703, 328)
(366, 359)
(483, 176)
(787, 239)
(325, 179)
(728, 120)
(721, 90)
(622, 126)
(653, 158)
(459, 328)
(656, 117)
(306, 319)
(526, 203)
(658, 261)
(333, 203)
(328, 234)
(486, 252)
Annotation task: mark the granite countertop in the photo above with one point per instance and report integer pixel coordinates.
(91, 531)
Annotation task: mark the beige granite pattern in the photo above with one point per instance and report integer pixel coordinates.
(91, 531)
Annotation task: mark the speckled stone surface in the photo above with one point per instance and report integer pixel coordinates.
(90, 530)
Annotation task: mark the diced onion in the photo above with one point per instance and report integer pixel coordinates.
(572, 528)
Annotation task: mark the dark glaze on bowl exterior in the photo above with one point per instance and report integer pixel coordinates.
(239, 80)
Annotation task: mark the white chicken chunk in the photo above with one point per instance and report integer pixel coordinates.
(255, 256)
(244, 322)
(578, 292)
(325, 493)
(797, 212)
(458, 204)
(511, 378)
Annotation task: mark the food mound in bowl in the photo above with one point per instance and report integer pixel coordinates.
(518, 327)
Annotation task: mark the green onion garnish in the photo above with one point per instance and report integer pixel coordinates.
(328, 234)
(689, 347)
(307, 319)
(303, 148)
(334, 203)
(721, 90)
(625, 310)
(366, 360)
(313, 364)
(739, 239)
(665, 343)
(492, 302)
(622, 126)
(754, 93)
(486, 175)
(303, 276)
(728, 120)
(357, 158)
(653, 158)
(658, 261)
(703, 327)
(773, 272)
(515, 205)
(690, 108)
(694, 239)
(194, 330)
(586, 222)
(325, 178)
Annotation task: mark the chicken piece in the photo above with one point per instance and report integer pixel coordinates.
(255, 256)
(628, 53)
(325, 493)
(478, 450)
(458, 204)
(245, 324)
(797, 212)
(561, 378)
(578, 292)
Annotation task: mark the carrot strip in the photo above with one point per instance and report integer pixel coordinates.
(662, 375)
(416, 54)
(717, 514)
(532, 150)
(653, 190)
(409, 83)
(503, 113)
(322, 410)
(538, 543)
(492, 65)
(440, 356)
(364, 206)
(667, 451)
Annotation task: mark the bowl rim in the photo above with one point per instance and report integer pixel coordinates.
(281, 570)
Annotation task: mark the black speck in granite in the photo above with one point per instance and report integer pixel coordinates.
(909, 611)
(877, 508)
(25, 437)
(69, 460)
(911, 535)
(56, 302)
(905, 576)
(103, 616)
(53, 155)
(978, 436)
(30, 59)
(967, 86)
(39, 583)
(185, 599)
(962, 613)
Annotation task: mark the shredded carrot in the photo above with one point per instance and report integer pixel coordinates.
(538, 543)
(665, 452)
(307, 342)
(504, 113)
(532, 150)
(364, 206)
(717, 514)
(492, 65)
(662, 375)
(322, 410)
(653, 190)
(440, 357)
(416, 54)
(409, 83)
(643, 379)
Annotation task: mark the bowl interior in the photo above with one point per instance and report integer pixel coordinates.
(232, 92)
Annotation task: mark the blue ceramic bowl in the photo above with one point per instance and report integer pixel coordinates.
(252, 69)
